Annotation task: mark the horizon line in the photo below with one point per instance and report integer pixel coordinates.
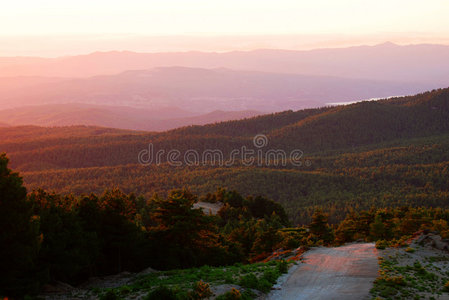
(386, 43)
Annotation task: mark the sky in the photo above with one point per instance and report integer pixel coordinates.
(59, 27)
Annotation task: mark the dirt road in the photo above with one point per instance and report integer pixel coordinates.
(345, 272)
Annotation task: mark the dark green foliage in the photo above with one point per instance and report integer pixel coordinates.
(67, 250)
(201, 290)
(261, 207)
(161, 293)
(249, 281)
(319, 227)
(271, 276)
(392, 226)
(282, 267)
(234, 294)
(185, 236)
(109, 295)
(19, 239)
(378, 230)
(94, 235)
(262, 284)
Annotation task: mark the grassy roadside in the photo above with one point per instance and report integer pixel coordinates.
(412, 273)
(231, 282)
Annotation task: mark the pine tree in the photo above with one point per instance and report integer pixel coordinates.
(19, 237)
(184, 234)
(378, 230)
(320, 227)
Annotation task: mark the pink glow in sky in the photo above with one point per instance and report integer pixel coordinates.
(55, 27)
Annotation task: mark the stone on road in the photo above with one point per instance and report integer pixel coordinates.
(345, 272)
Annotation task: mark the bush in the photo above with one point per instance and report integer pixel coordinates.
(161, 293)
(271, 276)
(201, 290)
(410, 250)
(391, 281)
(283, 267)
(110, 295)
(446, 286)
(233, 294)
(381, 244)
(229, 279)
(249, 281)
(264, 285)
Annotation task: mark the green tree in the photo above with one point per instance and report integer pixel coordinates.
(183, 235)
(67, 250)
(345, 231)
(320, 228)
(378, 230)
(19, 239)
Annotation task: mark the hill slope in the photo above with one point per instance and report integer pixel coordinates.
(328, 129)
(389, 152)
(114, 116)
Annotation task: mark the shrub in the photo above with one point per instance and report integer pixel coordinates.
(249, 281)
(381, 244)
(229, 279)
(201, 290)
(398, 280)
(124, 290)
(271, 276)
(264, 285)
(446, 286)
(161, 293)
(391, 280)
(410, 250)
(282, 267)
(110, 295)
(233, 294)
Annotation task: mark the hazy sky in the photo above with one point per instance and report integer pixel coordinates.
(27, 26)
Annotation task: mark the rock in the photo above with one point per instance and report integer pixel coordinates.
(420, 239)
(438, 243)
(111, 281)
(433, 240)
(297, 250)
(147, 271)
(57, 288)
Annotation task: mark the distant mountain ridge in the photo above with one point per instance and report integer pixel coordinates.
(114, 116)
(422, 63)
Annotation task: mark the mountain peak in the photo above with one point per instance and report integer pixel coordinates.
(387, 44)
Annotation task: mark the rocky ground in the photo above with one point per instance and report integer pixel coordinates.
(419, 271)
(253, 280)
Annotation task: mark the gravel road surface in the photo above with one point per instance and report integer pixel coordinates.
(345, 272)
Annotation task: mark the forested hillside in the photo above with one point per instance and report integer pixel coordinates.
(388, 152)
(122, 117)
